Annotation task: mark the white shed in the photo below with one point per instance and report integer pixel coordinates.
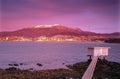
(98, 51)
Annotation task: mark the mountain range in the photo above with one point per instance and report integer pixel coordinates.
(57, 31)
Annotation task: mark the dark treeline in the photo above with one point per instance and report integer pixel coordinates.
(113, 40)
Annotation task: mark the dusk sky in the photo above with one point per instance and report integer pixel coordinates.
(101, 16)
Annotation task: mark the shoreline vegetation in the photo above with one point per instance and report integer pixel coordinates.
(113, 40)
(104, 70)
(108, 40)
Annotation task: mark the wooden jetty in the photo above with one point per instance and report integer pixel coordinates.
(96, 52)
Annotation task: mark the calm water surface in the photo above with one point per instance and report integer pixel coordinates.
(51, 54)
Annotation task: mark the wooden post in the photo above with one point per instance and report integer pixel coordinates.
(90, 58)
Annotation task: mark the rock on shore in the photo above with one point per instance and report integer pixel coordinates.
(104, 70)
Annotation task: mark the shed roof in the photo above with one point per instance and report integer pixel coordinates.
(97, 47)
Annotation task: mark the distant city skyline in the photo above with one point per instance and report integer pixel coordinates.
(100, 16)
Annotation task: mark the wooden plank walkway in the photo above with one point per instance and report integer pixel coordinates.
(90, 70)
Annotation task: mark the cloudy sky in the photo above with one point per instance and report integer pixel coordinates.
(101, 16)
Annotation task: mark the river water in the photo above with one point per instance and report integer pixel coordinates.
(51, 55)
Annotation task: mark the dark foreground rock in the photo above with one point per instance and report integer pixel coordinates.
(104, 70)
(107, 70)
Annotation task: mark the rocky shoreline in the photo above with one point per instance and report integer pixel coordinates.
(104, 70)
